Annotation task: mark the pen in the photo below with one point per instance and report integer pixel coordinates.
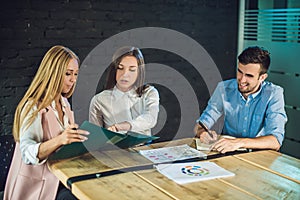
(205, 128)
(244, 150)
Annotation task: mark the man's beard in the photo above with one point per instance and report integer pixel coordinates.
(247, 89)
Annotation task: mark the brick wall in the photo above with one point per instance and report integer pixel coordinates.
(29, 28)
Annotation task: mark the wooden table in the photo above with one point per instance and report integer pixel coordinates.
(258, 175)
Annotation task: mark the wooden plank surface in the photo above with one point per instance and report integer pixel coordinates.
(211, 189)
(127, 158)
(99, 161)
(84, 164)
(258, 181)
(188, 141)
(249, 182)
(126, 185)
(259, 175)
(121, 186)
(281, 164)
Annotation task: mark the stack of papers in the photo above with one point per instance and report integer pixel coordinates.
(169, 154)
(183, 173)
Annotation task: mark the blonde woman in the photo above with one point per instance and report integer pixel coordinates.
(127, 103)
(43, 123)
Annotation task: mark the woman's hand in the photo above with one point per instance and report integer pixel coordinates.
(113, 128)
(123, 126)
(69, 135)
(73, 134)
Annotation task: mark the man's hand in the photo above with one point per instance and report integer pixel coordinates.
(263, 142)
(225, 145)
(204, 136)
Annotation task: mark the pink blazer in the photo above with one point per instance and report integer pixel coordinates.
(34, 182)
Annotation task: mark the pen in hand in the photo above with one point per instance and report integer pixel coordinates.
(205, 128)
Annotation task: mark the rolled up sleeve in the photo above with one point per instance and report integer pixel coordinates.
(276, 117)
(30, 140)
(214, 109)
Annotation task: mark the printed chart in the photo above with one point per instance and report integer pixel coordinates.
(169, 154)
(195, 170)
(183, 173)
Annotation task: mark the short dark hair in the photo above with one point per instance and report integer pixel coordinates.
(117, 58)
(258, 55)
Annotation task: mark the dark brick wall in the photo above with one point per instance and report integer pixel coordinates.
(30, 27)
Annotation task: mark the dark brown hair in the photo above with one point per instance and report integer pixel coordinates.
(257, 55)
(117, 58)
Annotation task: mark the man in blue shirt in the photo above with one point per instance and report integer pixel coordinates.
(253, 109)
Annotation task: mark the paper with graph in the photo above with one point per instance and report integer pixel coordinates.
(169, 154)
(183, 173)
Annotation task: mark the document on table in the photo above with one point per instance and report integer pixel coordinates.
(207, 147)
(202, 146)
(169, 154)
(183, 173)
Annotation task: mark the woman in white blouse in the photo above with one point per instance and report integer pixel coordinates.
(127, 103)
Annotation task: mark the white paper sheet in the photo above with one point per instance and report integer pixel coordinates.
(183, 173)
(169, 154)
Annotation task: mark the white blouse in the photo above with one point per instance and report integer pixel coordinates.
(114, 106)
(32, 137)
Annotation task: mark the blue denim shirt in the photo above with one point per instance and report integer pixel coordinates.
(261, 114)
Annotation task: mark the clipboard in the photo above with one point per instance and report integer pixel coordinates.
(100, 137)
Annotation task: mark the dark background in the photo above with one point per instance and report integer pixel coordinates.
(29, 28)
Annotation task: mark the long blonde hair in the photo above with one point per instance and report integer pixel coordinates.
(45, 86)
